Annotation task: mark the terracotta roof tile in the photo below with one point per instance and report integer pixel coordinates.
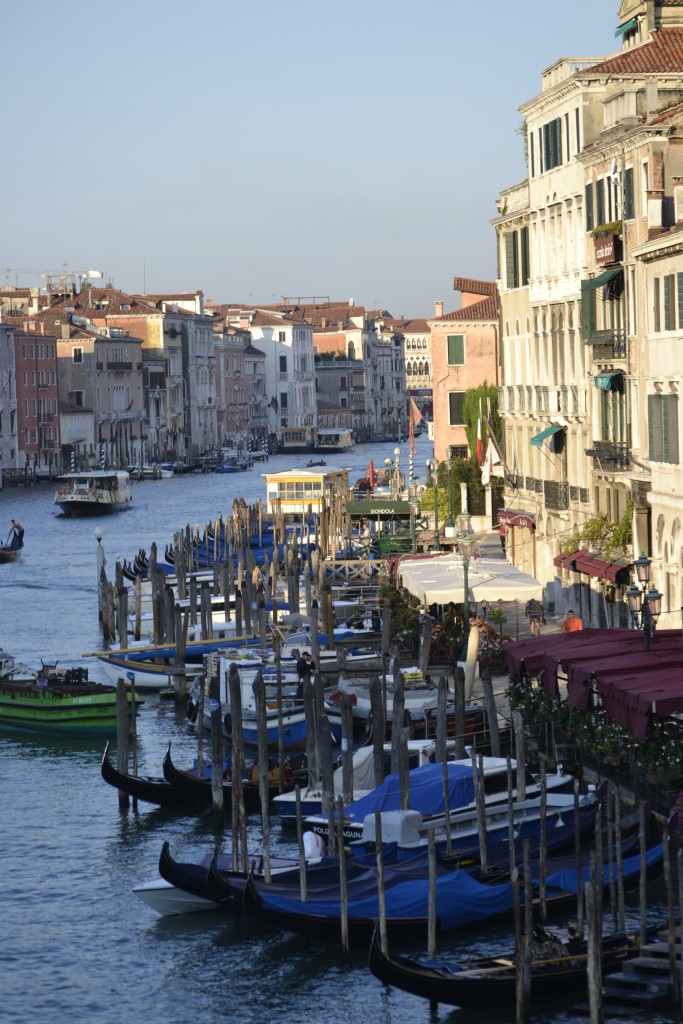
(662, 54)
(487, 309)
(473, 287)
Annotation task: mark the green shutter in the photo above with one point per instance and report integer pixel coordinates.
(628, 203)
(511, 263)
(456, 408)
(590, 223)
(679, 282)
(599, 202)
(524, 252)
(667, 303)
(654, 427)
(669, 407)
(456, 349)
(587, 310)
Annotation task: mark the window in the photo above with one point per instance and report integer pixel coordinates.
(524, 255)
(656, 310)
(283, 399)
(283, 364)
(662, 413)
(456, 408)
(343, 384)
(577, 126)
(590, 220)
(669, 303)
(456, 349)
(78, 398)
(600, 201)
(511, 260)
(628, 203)
(78, 355)
(552, 144)
(457, 451)
(281, 336)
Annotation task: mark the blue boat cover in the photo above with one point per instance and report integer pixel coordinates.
(426, 785)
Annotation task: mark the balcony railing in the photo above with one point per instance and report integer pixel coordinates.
(611, 455)
(556, 495)
(609, 344)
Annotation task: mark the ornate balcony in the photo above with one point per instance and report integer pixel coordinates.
(607, 345)
(556, 495)
(612, 456)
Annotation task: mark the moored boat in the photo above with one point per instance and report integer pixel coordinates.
(94, 493)
(61, 702)
(556, 967)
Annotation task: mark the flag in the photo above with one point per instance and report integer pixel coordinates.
(486, 466)
(371, 475)
(479, 448)
(273, 404)
(414, 417)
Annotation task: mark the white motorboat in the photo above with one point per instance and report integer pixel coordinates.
(94, 493)
(427, 794)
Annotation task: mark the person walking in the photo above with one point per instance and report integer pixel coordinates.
(534, 612)
(572, 624)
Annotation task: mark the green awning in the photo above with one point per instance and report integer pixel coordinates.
(604, 380)
(628, 26)
(602, 279)
(383, 507)
(538, 439)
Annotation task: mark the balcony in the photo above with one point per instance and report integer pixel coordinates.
(612, 456)
(607, 345)
(556, 495)
(46, 417)
(113, 367)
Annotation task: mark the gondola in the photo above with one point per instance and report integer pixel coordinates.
(150, 789)
(556, 967)
(461, 899)
(10, 552)
(199, 789)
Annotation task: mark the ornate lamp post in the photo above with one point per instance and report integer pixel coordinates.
(644, 605)
(397, 470)
(465, 542)
(432, 467)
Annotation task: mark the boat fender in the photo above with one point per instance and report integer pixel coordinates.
(227, 722)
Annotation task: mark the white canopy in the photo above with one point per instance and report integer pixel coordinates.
(439, 579)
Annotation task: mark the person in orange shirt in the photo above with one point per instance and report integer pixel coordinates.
(572, 624)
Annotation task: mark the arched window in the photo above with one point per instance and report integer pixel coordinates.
(426, 369)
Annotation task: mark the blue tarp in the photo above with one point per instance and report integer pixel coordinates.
(426, 792)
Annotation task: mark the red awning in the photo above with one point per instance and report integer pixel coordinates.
(566, 561)
(513, 517)
(599, 567)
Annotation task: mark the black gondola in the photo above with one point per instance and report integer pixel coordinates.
(150, 789)
(199, 789)
(556, 967)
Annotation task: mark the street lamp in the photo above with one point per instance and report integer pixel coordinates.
(397, 464)
(644, 605)
(465, 542)
(432, 467)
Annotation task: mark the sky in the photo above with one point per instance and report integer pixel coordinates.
(263, 150)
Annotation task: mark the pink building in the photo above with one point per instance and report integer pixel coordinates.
(465, 354)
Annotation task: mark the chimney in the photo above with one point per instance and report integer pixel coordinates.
(678, 199)
(438, 307)
(352, 302)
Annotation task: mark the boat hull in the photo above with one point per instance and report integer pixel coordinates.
(90, 709)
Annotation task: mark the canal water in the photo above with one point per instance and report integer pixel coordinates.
(78, 945)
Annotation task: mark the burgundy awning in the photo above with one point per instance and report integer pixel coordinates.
(566, 561)
(514, 517)
(594, 566)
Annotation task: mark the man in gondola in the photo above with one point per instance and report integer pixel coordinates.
(17, 534)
